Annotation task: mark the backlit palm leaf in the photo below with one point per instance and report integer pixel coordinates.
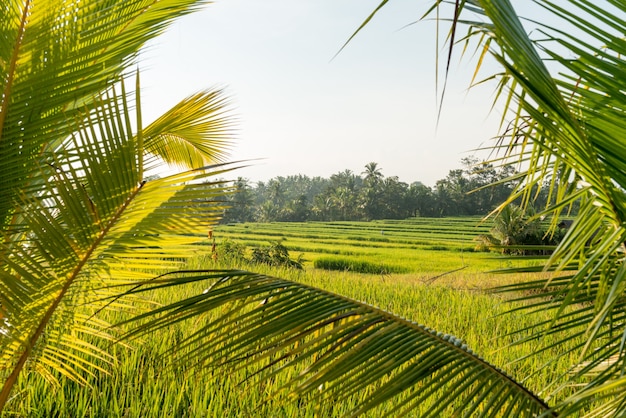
(566, 86)
(339, 347)
(76, 213)
(55, 56)
(93, 222)
(193, 133)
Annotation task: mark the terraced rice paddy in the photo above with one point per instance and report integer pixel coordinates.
(421, 245)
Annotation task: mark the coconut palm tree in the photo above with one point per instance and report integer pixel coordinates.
(513, 229)
(371, 193)
(77, 212)
(372, 173)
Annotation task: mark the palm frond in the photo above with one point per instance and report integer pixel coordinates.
(195, 132)
(76, 213)
(55, 57)
(93, 222)
(564, 89)
(335, 346)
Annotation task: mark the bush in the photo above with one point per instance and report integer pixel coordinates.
(232, 251)
(275, 255)
(518, 231)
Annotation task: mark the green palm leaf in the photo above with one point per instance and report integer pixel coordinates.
(195, 132)
(55, 56)
(338, 346)
(76, 213)
(564, 89)
(92, 222)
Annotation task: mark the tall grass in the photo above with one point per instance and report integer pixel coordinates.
(145, 382)
(357, 266)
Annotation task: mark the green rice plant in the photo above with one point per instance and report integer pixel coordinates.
(146, 380)
(358, 266)
(437, 248)
(420, 246)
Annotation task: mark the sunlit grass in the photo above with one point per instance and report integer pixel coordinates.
(445, 289)
(424, 246)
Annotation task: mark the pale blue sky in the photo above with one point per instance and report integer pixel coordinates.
(302, 112)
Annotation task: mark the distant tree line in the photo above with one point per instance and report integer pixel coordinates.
(474, 189)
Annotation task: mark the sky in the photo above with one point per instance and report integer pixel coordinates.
(300, 110)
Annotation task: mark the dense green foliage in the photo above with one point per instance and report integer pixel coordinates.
(519, 231)
(88, 243)
(470, 190)
(276, 255)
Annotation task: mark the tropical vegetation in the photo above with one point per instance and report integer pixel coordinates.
(519, 231)
(146, 380)
(78, 213)
(85, 232)
(347, 196)
(560, 79)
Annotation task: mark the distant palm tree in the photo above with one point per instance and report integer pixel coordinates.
(373, 174)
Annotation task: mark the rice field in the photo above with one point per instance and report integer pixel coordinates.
(444, 286)
(421, 246)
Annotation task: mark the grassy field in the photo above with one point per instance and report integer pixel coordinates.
(422, 246)
(144, 382)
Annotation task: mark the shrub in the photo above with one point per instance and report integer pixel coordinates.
(232, 251)
(518, 231)
(275, 255)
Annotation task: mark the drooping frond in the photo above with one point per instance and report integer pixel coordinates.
(335, 348)
(563, 81)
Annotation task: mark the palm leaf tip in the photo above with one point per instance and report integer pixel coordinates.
(197, 131)
(343, 346)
